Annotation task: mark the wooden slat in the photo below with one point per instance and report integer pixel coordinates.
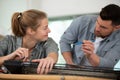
(46, 77)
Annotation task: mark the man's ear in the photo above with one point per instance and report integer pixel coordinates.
(117, 27)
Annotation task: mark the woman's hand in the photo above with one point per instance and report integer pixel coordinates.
(20, 54)
(45, 65)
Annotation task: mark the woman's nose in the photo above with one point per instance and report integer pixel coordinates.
(49, 30)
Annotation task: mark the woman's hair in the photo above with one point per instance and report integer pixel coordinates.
(111, 12)
(29, 18)
(1, 36)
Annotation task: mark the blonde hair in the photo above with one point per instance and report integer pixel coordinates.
(29, 18)
(1, 36)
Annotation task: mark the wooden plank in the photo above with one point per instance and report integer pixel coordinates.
(46, 77)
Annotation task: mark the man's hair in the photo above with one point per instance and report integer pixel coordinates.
(111, 12)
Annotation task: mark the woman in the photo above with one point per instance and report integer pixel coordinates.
(30, 41)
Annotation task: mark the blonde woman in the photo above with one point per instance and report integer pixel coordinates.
(30, 41)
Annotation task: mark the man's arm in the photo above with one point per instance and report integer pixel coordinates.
(70, 37)
(94, 59)
(68, 57)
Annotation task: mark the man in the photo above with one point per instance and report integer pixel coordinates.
(93, 40)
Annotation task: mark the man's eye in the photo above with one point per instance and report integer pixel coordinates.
(103, 27)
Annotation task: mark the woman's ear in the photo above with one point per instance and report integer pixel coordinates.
(30, 31)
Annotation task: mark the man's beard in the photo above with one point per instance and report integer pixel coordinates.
(100, 35)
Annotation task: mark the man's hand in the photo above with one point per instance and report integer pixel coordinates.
(88, 49)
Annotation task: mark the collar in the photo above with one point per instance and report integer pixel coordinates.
(19, 42)
(114, 35)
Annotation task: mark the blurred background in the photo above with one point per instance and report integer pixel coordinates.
(60, 13)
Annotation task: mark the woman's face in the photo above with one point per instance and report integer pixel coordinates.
(41, 33)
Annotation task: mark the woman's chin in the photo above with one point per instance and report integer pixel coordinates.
(45, 39)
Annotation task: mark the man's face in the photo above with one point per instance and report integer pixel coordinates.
(103, 28)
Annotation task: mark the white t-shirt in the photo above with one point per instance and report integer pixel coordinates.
(117, 66)
(97, 43)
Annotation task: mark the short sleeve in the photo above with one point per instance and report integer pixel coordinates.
(51, 46)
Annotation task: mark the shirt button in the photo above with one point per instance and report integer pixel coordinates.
(116, 59)
(79, 57)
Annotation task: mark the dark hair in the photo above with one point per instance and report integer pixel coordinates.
(29, 18)
(111, 12)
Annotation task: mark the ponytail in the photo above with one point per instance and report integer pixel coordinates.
(17, 27)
